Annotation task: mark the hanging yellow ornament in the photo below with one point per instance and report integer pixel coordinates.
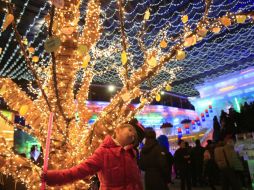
(1, 51)
(23, 110)
(180, 55)
(82, 50)
(8, 20)
(190, 41)
(86, 60)
(158, 97)
(31, 50)
(185, 18)
(3, 90)
(124, 57)
(241, 18)
(202, 32)
(147, 15)
(25, 41)
(168, 87)
(143, 100)
(216, 30)
(152, 61)
(163, 44)
(225, 21)
(35, 59)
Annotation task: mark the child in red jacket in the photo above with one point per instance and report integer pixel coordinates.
(114, 162)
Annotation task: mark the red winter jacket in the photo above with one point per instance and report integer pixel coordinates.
(116, 167)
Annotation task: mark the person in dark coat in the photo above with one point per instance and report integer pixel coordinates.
(197, 157)
(153, 161)
(182, 160)
(163, 141)
(216, 129)
(210, 171)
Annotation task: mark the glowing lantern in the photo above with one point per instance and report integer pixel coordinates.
(23, 110)
(8, 20)
(190, 41)
(82, 50)
(158, 97)
(168, 87)
(185, 18)
(152, 61)
(147, 14)
(31, 50)
(163, 44)
(241, 18)
(35, 59)
(225, 21)
(124, 57)
(180, 55)
(202, 32)
(216, 30)
(1, 51)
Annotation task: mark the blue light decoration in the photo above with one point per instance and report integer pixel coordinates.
(198, 121)
(187, 128)
(202, 117)
(206, 113)
(179, 133)
(210, 109)
(193, 125)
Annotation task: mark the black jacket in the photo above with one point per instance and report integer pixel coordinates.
(153, 161)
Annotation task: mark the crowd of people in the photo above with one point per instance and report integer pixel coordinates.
(232, 123)
(119, 164)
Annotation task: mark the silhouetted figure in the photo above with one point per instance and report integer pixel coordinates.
(216, 129)
(153, 161)
(197, 157)
(183, 164)
(163, 141)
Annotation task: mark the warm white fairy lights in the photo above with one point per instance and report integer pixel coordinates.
(78, 50)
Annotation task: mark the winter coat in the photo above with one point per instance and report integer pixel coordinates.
(182, 158)
(153, 161)
(116, 168)
(233, 158)
(197, 157)
(227, 157)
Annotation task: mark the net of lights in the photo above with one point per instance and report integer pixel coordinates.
(138, 45)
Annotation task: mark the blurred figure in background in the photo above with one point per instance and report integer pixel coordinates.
(197, 157)
(183, 165)
(154, 162)
(163, 141)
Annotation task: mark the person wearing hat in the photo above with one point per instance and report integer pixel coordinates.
(114, 162)
(153, 162)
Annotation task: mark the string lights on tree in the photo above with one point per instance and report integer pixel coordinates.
(70, 50)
